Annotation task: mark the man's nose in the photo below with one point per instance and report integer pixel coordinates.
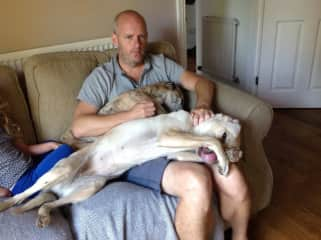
(137, 41)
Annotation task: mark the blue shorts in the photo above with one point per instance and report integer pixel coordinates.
(45, 163)
(148, 174)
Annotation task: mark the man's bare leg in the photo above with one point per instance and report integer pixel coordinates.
(235, 201)
(193, 184)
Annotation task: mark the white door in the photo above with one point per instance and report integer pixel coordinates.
(290, 63)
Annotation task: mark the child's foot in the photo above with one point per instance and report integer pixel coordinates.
(4, 192)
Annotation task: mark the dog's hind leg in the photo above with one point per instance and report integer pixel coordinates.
(81, 189)
(63, 170)
(55, 175)
(37, 201)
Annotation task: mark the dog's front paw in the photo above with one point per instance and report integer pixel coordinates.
(223, 164)
(43, 221)
(224, 169)
(234, 155)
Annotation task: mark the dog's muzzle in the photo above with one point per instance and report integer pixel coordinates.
(207, 155)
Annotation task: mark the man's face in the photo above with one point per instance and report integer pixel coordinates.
(131, 40)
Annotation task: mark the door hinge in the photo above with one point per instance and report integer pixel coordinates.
(257, 80)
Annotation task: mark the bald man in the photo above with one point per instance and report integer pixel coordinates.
(192, 183)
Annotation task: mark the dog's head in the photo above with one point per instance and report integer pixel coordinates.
(167, 94)
(228, 130)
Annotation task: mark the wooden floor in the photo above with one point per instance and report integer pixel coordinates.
(293, 147)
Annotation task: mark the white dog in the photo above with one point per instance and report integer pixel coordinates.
(86, 171)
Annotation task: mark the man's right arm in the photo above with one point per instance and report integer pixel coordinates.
(86, 122)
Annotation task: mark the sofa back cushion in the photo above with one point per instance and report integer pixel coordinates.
(11, 92)
(53, 81)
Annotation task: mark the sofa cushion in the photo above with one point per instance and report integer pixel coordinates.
(24, 227)
(122, 210)
(53, 81)
(11, 91)
(162, 47)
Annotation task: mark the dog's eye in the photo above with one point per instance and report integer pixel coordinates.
(170, 85)
(224, 137)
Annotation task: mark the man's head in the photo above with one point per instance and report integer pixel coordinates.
(130, 36)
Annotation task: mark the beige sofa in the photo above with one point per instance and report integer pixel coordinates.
(52, 82)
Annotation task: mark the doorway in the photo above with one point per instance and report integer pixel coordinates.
(191, 34)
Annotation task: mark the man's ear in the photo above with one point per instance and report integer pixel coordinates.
(114, 39)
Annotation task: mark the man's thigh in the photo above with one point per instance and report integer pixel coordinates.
(179, 176)
(148, 174)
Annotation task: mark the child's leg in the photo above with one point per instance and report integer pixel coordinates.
(32, 175)
(50, 160)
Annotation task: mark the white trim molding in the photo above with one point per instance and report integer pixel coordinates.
(181, 31)
(15, 59)
(259, 37)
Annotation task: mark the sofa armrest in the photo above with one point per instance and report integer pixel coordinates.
(241, 105)
(245, 107)
(256, 118)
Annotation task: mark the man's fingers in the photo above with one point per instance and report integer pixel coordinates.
(195, 120)
(200, 115)
(148, 109)
(147, 103)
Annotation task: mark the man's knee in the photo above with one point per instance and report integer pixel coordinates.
(197, 183)
(236, 187)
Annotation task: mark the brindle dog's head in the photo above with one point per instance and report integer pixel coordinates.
(166, 96)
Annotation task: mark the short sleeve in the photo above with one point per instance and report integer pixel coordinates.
(173, 70)
(95, 88)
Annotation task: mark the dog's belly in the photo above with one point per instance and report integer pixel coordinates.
(133, 143)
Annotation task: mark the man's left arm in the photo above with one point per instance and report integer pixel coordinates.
(204, 90)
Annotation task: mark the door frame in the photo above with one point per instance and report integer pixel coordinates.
(258, 50)
(182, 44)
(181, 31)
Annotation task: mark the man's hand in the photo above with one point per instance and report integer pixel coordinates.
(143, 110)
(200, 114)
(4, 192)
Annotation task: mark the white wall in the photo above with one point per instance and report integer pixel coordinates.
(246, 12)
(38, 23)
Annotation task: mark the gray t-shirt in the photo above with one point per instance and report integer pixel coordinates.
(13, 162)
(108, 80)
